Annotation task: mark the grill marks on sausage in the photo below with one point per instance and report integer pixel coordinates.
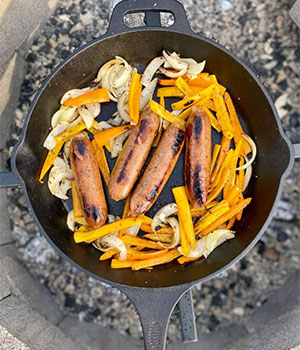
(198, 190)
(91, 211)
(80, 147)
(122, 173)
(152, 193)
(177, 142)
(141, 135)
(197, 126)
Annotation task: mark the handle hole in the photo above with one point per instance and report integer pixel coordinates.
(138, 19)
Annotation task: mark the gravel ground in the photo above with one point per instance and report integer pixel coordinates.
(263, 35)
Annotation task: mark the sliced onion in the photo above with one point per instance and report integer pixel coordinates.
(71, 220)
(176, 238)
(162, 214)
(151, 69)
(196, 68)
(105, 68)
(147, 93)
(103, 125)
(59, 182)
(121, 78)
(189, 61)
(122, 101)
(170, 74)
(67, 147)
(117, 121)
(253, 150)
(94, 108)
(248, 174)
(63, 114)
(175, 61)
(75, 122)
(73, 93)
(198, 251)
(50, 141)
(117, 144)
(87, 117)
(133, 230)
(216, 238)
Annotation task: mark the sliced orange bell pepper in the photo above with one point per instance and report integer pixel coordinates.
(135, 97)
(230, 223)
(109, 254)
(163, 259)
(197, 212)
(139, 242)
(225, 164)
(214, 157)
(105, 229)
(222, 114)
(219, 187)
(102, 162)
(126, 213)
(192, 100)
(184, 260)
(138, 255)
(184, 214)
(118, 264)
(184, 87)
(225, 217)
(163, 113)
(160, 237)
(237, 128)
(225, 145)
(77, 210)
(95, 96)
(103, 137)
(213, 120)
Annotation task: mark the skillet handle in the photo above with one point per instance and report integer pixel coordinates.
(9, 180)
(154, 307)
(152, 9)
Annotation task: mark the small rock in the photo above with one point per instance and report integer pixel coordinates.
(282, 236)
(239, 311)
(271, 254)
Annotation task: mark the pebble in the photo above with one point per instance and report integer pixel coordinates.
(271, 254)
(263, 36)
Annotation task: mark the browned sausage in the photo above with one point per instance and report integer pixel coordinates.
(158, 170)
(133, 156)
(198, 156)
(88, 181)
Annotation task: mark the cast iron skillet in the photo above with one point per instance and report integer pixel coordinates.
(154, 293)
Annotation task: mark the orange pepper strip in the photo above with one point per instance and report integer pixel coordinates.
(109, 254)
(240, 180)
(103, 137)
(185, 114)
(163, 113)
(161, 237)
(125, 214)
(163, 259)
(192, 100)
(197, 212)
(77, 210)
(138, 255)
(233, 192)
(230, 223)
(214, 157)
(102, 162)
(184, 87)
(134, 97)
(95, 96)
(105, 229)
(170, 91)
(201, 81)
(218, 189)
(140, 242)
(222, 114)
(118, 264)
(184, 260)
(146, 228)
(213, 120)
(166, 82)
(225, 144)
(226, 163)
(184, 214)
(185, 244)
(225, 217)
(237, 128)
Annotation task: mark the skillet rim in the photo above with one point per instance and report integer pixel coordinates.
(200, 36)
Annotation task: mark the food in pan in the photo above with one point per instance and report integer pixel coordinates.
(204, 211)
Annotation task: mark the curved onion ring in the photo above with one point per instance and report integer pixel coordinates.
(147, 93)
(151, 69)
(175, 61)
(162, 214)
(248, 175)
(169, 74)
(121, 107)
(175, 226)
(253, 150)
(73, 93)
(87, 117)
(71, 220)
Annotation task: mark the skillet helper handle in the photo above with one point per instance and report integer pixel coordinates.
(9, 180)
(297, 150)
(152, 9)
(154, 307)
